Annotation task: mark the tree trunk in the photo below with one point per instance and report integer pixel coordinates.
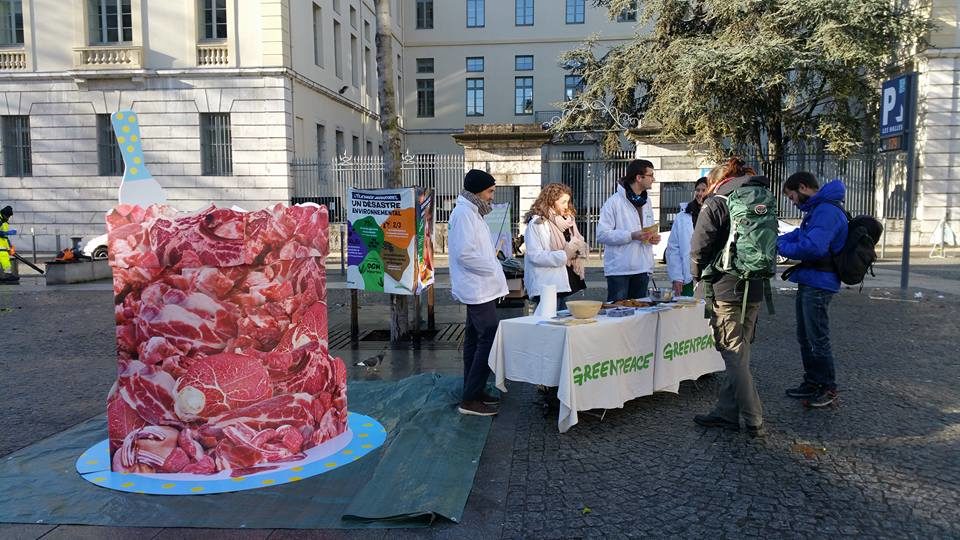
(390, 130)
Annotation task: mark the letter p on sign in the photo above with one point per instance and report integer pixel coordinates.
(889, 102)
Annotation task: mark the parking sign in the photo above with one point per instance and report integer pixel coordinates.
(894, 106)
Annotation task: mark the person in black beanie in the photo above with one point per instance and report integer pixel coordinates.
(476, 280)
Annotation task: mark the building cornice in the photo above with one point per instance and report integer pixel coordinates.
(940, 53)
(526, 41)
(82, 76)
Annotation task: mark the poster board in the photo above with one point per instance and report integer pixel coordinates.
(390, 240)
(498, 220)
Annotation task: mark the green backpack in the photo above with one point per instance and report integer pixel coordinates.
(750, 252)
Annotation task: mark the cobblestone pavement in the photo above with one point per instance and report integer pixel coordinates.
(884, 463)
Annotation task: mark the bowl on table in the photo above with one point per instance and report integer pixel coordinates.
(584, 309)
(661, 295)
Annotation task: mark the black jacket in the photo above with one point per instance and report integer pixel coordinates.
(710, 235)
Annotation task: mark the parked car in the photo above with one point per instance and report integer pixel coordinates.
(96, 247)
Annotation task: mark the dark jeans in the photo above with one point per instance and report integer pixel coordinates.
(624, 287)
(813, 333)
(482, 324)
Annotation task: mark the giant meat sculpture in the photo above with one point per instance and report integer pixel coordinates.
(222, 358)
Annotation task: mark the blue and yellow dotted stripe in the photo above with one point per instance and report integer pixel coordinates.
(94, 466)
(126, 127)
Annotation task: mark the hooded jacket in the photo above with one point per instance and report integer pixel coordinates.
(622, 255)
(710, 235)
(822, 232)
(476, 276)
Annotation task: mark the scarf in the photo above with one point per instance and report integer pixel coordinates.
(560, 224)
(636, 200)
(482, 206)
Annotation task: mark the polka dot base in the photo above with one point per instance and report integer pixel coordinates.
(363, 435)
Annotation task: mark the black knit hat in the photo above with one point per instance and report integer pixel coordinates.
(6, 211)
(476, 181)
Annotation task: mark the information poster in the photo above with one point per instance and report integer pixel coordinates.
(499, 222)
(387, 246)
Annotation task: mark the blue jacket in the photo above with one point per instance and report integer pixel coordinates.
(823, 231)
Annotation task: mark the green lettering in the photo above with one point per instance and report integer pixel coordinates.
(577, 375)
(668, 352)
(605, 368)
(646, 360)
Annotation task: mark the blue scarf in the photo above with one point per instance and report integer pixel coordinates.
(637, 200)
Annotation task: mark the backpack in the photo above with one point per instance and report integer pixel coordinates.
(750, 252)
(857, 255)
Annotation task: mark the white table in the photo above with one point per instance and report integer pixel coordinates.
(605, 364)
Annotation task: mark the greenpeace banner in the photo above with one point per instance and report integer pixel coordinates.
(389, 240)
(606, 364)
(686, 348)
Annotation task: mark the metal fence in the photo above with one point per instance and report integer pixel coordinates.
(874, 182)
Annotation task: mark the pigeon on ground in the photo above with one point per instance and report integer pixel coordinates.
(371, 362)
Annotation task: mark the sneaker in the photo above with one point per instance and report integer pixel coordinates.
(476, 408)
(806, 390)
(822, 399)
(711, 421)
(756, 432)
(489, 399)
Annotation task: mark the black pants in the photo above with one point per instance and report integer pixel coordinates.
(482, 324)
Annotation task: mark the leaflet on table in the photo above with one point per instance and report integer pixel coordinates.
(382, 225)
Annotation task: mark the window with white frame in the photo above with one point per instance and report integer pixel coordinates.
(424, 65)
(16, 146)
(629, 14)
(425, 98)
(110, 21)
(11, 22)
(213, 16)
(109, 160)
(523, 62)
(523, 96)
(524, 12)
(475, 14)
(317, 35)
(474, 64)
(572, 85)
(575, 11)
(474, 97)
(355, 60)
(424, 14)
(337, 50)
(216, 148)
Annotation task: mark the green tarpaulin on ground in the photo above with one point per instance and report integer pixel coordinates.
(424, 472)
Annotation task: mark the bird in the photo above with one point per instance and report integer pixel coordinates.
(371, 362)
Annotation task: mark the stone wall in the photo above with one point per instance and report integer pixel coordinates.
(66, 196)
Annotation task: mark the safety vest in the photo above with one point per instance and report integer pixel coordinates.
(4, 241)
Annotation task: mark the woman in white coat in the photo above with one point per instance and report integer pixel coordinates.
(678, 245)
(556, 250)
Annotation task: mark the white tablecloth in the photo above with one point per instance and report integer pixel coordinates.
(607, 363)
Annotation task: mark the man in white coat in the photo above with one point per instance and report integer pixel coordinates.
(628, 251)
(477, 280)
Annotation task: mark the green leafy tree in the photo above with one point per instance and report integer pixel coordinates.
(745, 75)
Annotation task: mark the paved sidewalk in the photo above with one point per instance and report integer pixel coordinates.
(884, 463)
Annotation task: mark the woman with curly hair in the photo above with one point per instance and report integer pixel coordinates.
(556, 250)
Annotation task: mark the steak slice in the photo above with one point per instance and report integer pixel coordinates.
(218, 383)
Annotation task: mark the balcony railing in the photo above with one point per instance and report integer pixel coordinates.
(12, 59)
(212, 54)
(105, 57)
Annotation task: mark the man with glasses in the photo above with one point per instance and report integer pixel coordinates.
(628, 253)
